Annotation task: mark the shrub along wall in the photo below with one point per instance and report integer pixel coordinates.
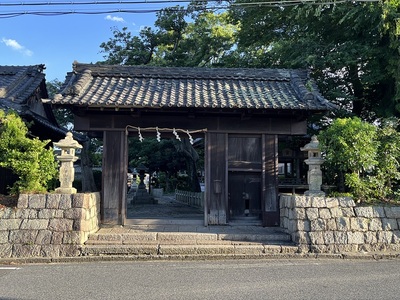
(338, 225)
(48, 225)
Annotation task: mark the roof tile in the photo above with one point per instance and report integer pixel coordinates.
(153, 87)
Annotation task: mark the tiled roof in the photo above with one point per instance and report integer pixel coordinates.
(113, 86)
(18, 83)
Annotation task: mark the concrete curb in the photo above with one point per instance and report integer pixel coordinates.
(131, 258)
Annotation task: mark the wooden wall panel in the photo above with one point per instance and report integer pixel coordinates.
(217, 196)
(114, 176)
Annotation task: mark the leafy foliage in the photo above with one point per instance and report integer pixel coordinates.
(362, 158)
(27, 158)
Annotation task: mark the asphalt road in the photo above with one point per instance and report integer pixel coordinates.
(233, 279)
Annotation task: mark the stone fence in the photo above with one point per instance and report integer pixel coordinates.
(190, 198)
(338, 225)
(48, 225)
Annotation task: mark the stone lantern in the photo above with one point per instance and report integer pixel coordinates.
(314, 162)
(67, 159)
(142, 196)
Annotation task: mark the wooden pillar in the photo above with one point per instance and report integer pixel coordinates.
(270, 190)
(216, 177)
(114, 176)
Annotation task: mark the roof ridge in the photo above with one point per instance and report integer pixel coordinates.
(143, 71)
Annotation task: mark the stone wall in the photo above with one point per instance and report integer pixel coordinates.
(48, 225)
(338, 225)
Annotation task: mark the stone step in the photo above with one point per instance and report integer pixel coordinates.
(167, 250)
(185, 238)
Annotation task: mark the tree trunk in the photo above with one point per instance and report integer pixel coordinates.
(88, 184)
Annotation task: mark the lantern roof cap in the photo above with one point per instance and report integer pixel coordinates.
(313, 145)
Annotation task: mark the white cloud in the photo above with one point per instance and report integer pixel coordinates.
(13, 44)
(115, 19)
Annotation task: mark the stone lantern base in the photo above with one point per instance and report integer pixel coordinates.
(64, 190)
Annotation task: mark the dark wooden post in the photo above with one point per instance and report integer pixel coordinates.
(114, 176)
(270, 191)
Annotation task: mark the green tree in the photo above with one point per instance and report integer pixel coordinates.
(350, 48)
(30, 159)
(174, 41)
(362, 158)
(350, 147)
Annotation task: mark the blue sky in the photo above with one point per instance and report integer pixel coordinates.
(57, 41)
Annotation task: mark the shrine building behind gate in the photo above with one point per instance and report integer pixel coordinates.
(239, 112)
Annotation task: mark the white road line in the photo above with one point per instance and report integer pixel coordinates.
(9, 268)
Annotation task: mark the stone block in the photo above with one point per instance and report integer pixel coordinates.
(317, 238)
(26, 213)
(23, 200)
(46, 213)
(355, 237)
(346, 202)
(348, 212)
(301, 237)
(378, 211)
(325, 213)
(74, 213)
(348, 248)
(303, 225)
(375, 224)
(20, 250)
(10, 224)
(44, 237)
(69, 250)
(65, 201)
(331, 224)
(389, 224)
(60, 225)
(4, 236)
(7, 213)
(5, 250)
(59, 214)
(312, 213)
(26, 237)
(329, 237)
(396, 236)
(385, 237)
(343, 224)
(359, 224)
(369, 212)
(392, 212)
(302, 201)
(318, 225)
(299, 213)
(50, 251)
(336, 212)
(320, 248)
(78, 200)
(72, 237)
(370, 237)
(53, 201)
(332, 202)
(57, 238)
(318, 202)
(34, 224)
(37, 201)
(341, 237)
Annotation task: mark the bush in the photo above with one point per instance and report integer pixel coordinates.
(363, 159)
(28, 158)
